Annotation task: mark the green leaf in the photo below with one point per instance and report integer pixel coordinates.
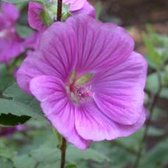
(157, 157)
(43, 157)
(131, 142)
(47, 20)
(6, 151)
(155, 131)
(71, 166)
(5, 163)
(18, 95)
(118, 154)
(16, 108)
(98, 9)
(152, 85)
(154, 58)
(50, 165)
(45, 154)
(11, 120)
(74, 155)
(5, 79)
(24, 161)
(14, 92)
(157, 48)
(23, 31)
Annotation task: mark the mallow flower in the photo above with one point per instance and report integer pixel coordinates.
(88, 79)
(40, 16)
(11, 44)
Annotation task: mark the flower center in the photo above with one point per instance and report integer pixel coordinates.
(79, 88)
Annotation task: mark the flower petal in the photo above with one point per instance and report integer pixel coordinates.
(75, 5)
(14, 45)
(99, 45)
(58, 43)
(32, 40)
(92, 124)
(87, 9)
(119, 91)
(50, 91)
(56, 55)
(32, 66)
(34, 18)
(44, 86)
(10, 12)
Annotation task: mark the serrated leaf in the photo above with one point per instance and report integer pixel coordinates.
(11, 120)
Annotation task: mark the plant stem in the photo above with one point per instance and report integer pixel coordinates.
(63, 145)
(63, 152)
(59, 10)
(148, 123)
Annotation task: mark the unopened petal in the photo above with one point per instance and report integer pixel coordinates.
(34, 17)
(75, 4)
(87, 9)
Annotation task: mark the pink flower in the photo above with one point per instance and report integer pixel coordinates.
(10, 42)
(88, 80)
(36, 12)
(8, 131)
(87, 9)
(80, 6)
